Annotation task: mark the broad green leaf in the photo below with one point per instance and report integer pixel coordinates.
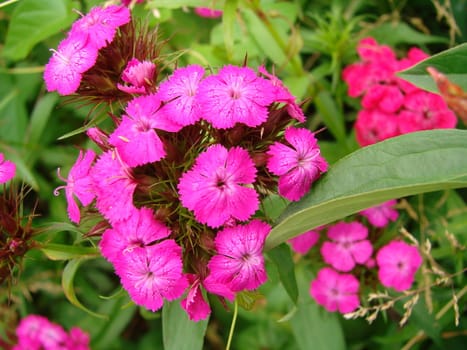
(56, 251)
(282, 258)
(33, 21)
(402, 166)
(228, 21)
(68, 277)
(178, 332)
(452, 63)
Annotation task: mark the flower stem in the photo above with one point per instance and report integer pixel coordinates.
(232, 326)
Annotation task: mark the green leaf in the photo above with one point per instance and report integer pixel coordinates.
(28, 17)
(68, 276)
(402, 166)
(452, 63)
(39, 118)
(178, 332)
(281, 256)
(55, 251)
(331, 115)
(228, 21)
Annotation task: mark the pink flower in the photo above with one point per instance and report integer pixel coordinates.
(304, 242)
(398, 262)
(138, 77)
(214, 189)
(7, 169)
(235, 95)
(297, 166)
(29, 330)
(179, 94)
(348, 247)
(425, 111)
(380, 215)
(78, 339)
(374, 125)
(53, 337)
(283, 95)
(208, 12)
(335, 291)
(140, 229)
(101, 24)
(239, 263)
(136, 138)
(73, 57)
(387, 98)
(194, 304)
(79, 184)
(114, 186)
(153, 273)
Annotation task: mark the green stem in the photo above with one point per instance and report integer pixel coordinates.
(232, 326)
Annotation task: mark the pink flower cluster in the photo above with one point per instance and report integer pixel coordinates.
(391, 106)
(7, 169)
(348, 251)
(36, 332)
(181, 175)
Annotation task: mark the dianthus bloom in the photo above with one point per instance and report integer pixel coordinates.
(235, 95)
(304, 242)
(239, 262)
(335, 291)
(79, 184)
(194, 304)
(36, 332)
(214, 189)
(398, 262)
(348, 247)
(208, 12)
(153, 273)
(7, 169)
(297, 166)
(138, 77)
(381, 215)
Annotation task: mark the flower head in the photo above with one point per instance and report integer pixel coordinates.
(138, 77)
(153, 273)
(214, 189)
(239, 262)
(208, 12)
(335, 291)
(235, 95)
(297, 166)
(79, 184)
(304, 242)
(381, 215)
(194, 304)
(348, 247)
(7, 169)
(398, 262)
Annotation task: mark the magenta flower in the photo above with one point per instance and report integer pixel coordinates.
(138, 77)
(235, 95)
(153, 273)
(29, 330)
(214, 189)
(7, 169)
(136, 138)
(114, 186)
(78, 184)
(179, 94)
(381, 215)
(208, 12)
(73, 57)
(374, 125)
(297, 166)
(348, 247)
(398, 262)
(78, 339)
(239, 263)
(100, 24)
(304, 242)
(387, 98)
(140, 229)
(335, 291)
(194, 304)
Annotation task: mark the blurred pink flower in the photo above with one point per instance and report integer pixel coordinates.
(138, 77)
(297, 166)
(373, 125)
(216, 188)
(208, 12)
(381, 215)
(348, 247)
(335, 291)
(179, 95)
(78, 184)
(235, 95)
(239, 262)
(304, 242)
(398, 262)
(153, 273)
(7, 169)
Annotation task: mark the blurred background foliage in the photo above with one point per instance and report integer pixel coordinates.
(306, 43)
